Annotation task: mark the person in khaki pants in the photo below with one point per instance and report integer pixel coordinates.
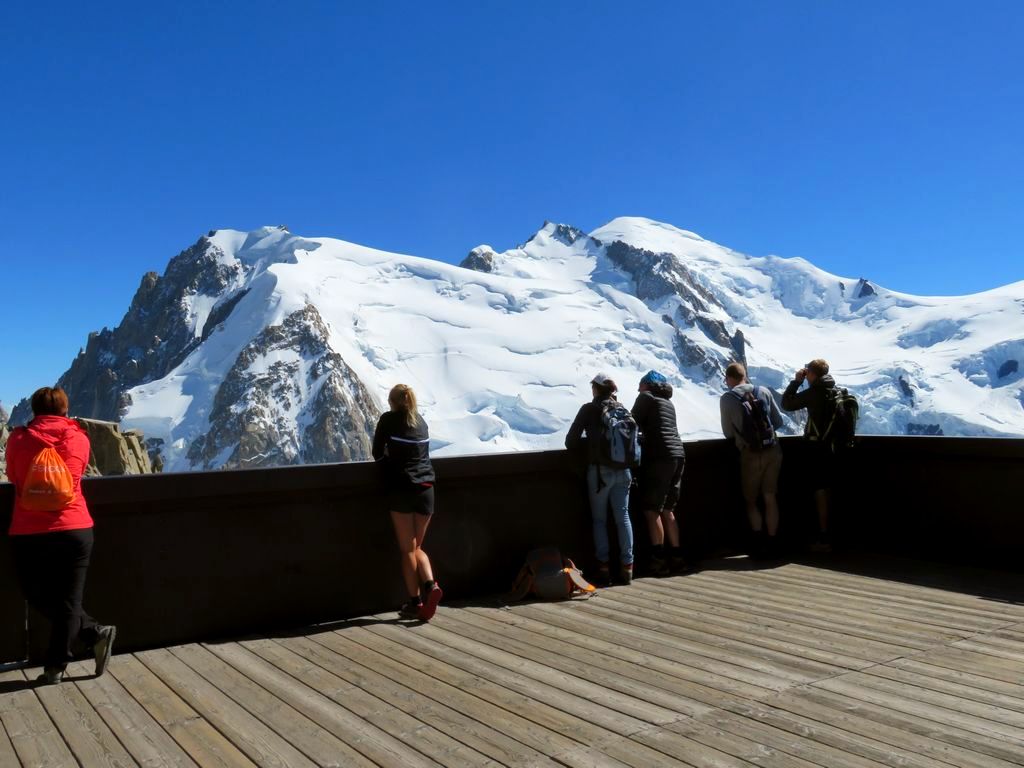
(750, 418)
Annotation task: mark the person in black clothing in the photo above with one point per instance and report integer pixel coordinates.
(661, 470)
(816, 399)
(607, 484)
(401, 444)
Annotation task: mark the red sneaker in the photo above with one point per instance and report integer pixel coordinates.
(430, 601)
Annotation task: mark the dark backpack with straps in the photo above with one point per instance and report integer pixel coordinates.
(620, 436)
(842, 424)
(758, 432)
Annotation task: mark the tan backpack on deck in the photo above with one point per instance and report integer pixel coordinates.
(549, 576)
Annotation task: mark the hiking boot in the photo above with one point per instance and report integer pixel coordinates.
(678, 565)
(659, 567)
(103, 647)
(432, 596)
(50, 676)
(626, 574)
(411, 610)
(604, 576)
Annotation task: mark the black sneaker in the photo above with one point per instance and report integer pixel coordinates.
(411, 610)
(659, 567)
(603, 576)
(50, 676)
(678, 565)
(103, 647)
(626, 574)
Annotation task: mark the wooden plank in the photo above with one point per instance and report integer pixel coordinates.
(739, 587)
(144, 739)
(629, 636)
(802, 750)
(1008, 653)
(529, 719)
(784, 666)
(912, 703)
(634, 648)
(931, 609)
(306, 735)
(921, 588)
(969, 680)
(962, 748)
(536, 656)
(946, 686)
(261, 744)
(975, 663)
(686, 624)
(35, 739)
(90, 739)
(7, 754)
(204, 743)
(761, 604)
(995, 717)
(487, 741)
(718, 616)
(824, 728)
(469, 660)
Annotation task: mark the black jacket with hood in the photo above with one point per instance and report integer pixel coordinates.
(815, 399)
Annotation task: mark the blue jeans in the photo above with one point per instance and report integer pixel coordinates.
(614, 493)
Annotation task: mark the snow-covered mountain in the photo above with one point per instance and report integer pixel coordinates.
(262, 348)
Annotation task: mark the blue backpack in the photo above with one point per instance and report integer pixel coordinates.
(620, 436)
(758, 432)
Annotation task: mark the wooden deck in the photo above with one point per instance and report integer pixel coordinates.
(794, 666)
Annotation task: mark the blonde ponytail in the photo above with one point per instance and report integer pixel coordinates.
(403, 400)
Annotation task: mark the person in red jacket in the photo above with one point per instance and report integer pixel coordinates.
(52, 549)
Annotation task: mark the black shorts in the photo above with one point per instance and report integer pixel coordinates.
(417, 499)
(660, 482)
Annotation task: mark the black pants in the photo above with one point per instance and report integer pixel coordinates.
(51, 568)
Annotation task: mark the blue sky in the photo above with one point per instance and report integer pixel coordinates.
(877, 139)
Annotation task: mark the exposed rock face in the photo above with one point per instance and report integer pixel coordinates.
(288, 399)
(863, 289)
(480, 259)
(113, 452)
(1010, 366)
(157, 333)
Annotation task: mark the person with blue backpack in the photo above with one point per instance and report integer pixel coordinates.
(750, 418)
(661, 470)
(606, 432)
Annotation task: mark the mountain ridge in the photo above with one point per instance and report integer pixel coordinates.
(500, 348)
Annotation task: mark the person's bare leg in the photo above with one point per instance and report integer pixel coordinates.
(670, 526)
(423, 569)
(405, 535)
(771, 513)
(821, 502)
(655, 527)
(753, 515)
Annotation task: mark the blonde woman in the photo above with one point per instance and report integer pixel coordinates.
(401, 444)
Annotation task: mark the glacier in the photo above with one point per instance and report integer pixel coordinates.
(500, 351)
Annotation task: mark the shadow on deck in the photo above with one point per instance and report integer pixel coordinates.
(842, 663)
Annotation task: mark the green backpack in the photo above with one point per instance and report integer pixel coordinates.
(842, 424)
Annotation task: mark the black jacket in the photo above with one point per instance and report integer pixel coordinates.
(587, 420)
(656, 417)
(815, 399)
(403, 451)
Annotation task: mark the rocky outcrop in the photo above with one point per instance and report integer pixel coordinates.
(288, 399)
(480, 259)
(156, 334)
(114, 452)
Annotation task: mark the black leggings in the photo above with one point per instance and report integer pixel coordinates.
(52, 568)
